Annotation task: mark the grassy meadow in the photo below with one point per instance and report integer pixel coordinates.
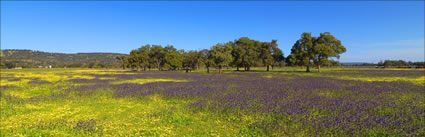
(282, 102)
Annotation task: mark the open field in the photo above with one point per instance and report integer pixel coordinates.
(283, 102)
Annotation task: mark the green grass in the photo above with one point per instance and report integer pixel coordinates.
(151, 115)
(144, 116)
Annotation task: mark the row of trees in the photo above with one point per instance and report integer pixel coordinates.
(241, 53)
(400, 63)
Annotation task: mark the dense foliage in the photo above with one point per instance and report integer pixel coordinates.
(243, 52)
(310, 50)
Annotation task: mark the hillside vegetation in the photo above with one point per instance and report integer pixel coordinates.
(32, 59)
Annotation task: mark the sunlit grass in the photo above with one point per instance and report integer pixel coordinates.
(5, 82)
(149, 116)
(416, 80)
(29, 109)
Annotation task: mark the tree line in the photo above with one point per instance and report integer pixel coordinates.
(400, 63)
(242, 53)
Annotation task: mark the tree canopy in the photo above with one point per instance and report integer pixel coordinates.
(310, 50)
(240, 53)
(221, 55)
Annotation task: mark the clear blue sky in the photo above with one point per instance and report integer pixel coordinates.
(371, 31)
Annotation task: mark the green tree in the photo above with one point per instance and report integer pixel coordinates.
(205, 57)
(122, 60)
(198, 59)
(221, 55)
(132, 60)
(290, 60)
(270, 54)
(277, 54)
(266, 54)
(173, 59)
(238, 54)
(246, 53)
(190, 60)
(326, 46)
(311, 50)
(301, 51)
(143, 56)
(139, 58)
(157, 55)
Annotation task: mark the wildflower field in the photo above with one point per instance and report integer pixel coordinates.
(285, 102)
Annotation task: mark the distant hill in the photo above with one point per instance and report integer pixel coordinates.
(32, 59)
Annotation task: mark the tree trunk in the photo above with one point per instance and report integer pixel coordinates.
(158, 65)
(308, 69)
(237, 68)
(208, 69)
(219, 69)
(268, 67)
(248, 68)
(318, 67)
(187, 70)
